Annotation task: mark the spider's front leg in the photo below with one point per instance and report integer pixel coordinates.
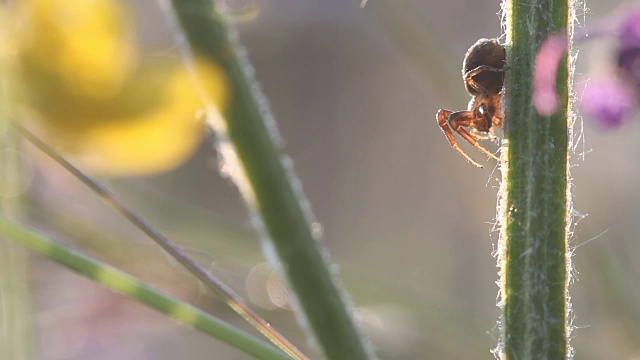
(455, 121)
(497, 118)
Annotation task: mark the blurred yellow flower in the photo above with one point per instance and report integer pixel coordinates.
(86, 46)
(99, 103)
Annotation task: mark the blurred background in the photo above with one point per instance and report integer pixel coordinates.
(409, 223)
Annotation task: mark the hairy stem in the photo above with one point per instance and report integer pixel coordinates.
(534, 199)
(249, 143)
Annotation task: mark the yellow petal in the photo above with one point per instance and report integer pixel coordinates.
(97, 103)
(155, 140)
(81, 47)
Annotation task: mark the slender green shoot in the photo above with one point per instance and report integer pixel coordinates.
(16, 338)
(138, 290)
(233, 300)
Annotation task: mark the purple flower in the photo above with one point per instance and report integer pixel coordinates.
(629, 46)
(608, 102)
(545, 96)
(629, 33)
(629, 62)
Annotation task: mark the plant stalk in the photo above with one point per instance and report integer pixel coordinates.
(233, 300)
(265, 178)
(17, 337)
(535, 200)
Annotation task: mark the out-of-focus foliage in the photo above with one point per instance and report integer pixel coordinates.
(98, 99)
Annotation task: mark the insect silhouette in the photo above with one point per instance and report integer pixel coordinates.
(483, 74)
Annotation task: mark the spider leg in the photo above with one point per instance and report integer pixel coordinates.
(497, 119)
(468, 76)
(448, 121)
(472, 140)
(443, 121)
(482, 135)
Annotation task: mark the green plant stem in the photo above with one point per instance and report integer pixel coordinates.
(535, 199)
(136, 289)
(17, 338)
(233, 300)
(271, 188)
(16, 332)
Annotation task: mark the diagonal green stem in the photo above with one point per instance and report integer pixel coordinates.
(135, 289)
(233, 300)
(535, 198)
(269, 186)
